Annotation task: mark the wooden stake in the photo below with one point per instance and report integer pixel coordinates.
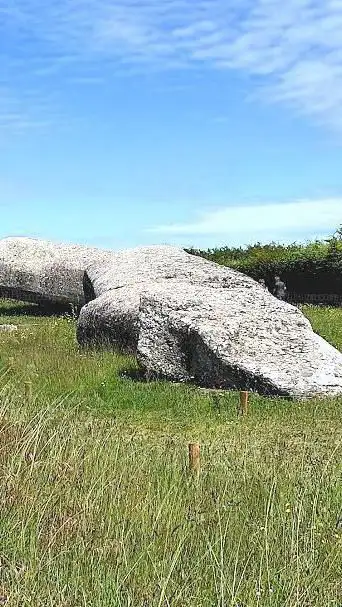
(194, 458)
(28, 390)
(243, 408)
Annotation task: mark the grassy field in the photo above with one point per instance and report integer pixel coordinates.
(97, 505)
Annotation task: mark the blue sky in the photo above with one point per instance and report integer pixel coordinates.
(128, 122)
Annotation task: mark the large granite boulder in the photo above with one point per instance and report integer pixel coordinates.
(113, 290)
(234, 339)
(41, 271)
(189, 319)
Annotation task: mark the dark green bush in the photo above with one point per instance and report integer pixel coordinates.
(315, 267)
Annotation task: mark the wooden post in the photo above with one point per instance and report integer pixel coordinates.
(194, 458)
(243, 406)
(28, 390)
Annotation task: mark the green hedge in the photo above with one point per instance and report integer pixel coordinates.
(312, 268)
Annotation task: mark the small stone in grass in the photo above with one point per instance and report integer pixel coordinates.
(8, 329)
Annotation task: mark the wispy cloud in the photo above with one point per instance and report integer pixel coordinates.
(292, 49)
(264, 222)
(19, 114)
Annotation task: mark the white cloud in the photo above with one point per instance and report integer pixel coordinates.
(264, 222)
(292, 48)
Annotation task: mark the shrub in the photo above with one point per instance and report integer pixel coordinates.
(315, 267)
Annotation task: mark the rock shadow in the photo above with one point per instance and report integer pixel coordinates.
(138, 375)
(36, 310)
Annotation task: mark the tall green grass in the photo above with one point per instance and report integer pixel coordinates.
(98, 507)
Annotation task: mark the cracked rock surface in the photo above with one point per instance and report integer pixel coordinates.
(44, 272)
(188, 319)
(224, 339)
